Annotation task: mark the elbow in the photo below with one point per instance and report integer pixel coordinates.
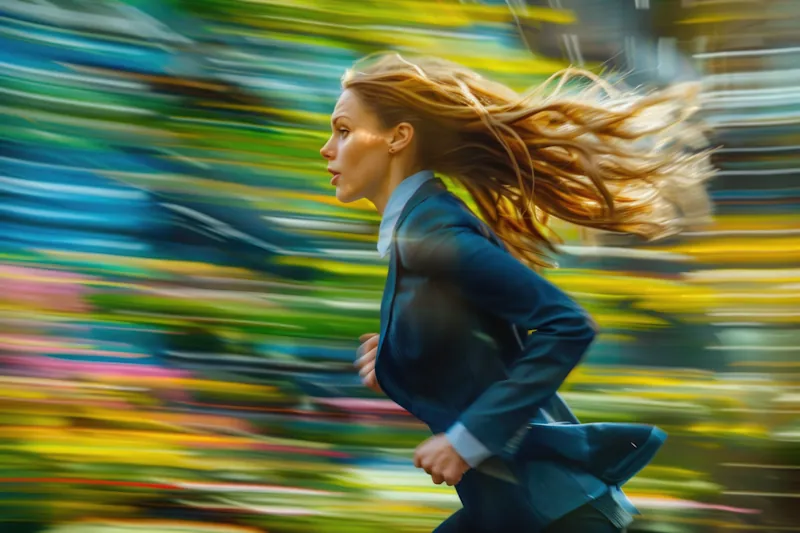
(587, 329)
(576, 324)
(582, 337)
(582, 332)
(591, 329)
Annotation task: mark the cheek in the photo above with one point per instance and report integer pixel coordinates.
(365, 161)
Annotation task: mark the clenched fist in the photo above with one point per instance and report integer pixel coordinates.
(365, 360)
(440, 460)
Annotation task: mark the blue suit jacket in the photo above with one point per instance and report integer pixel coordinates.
(471, 335)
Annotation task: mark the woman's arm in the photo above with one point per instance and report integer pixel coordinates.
(452, 246)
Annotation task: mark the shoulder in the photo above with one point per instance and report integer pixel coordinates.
(439, 229)
(436, 213)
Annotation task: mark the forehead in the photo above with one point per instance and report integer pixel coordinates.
(350, 105)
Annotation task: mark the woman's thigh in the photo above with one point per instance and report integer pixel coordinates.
(585, 519)
(457, 522)
(492, 504)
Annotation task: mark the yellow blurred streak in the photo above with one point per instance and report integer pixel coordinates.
(13, 421)
(522, 64)
(17, 394)
(358, 209)
(722, 396)
(727, 429)
(114, 437)
(152, 319)
(336, 267)
(672, 471)
(628, 319)
(157, 420)
(16, 341)
(591, 376)
(519, 66)
(40, 278)
(751, 16)
(424, 12)
(615, 337)
(266, 391)
(219, 189)
(123, 455)
(164, 265)
(607, 286)
(195, 384)
(764, 249)
(153, 526)
(755, 222)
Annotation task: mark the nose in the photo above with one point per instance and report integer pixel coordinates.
(326, 150)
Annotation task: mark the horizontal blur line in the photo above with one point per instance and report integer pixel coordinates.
(771, 172)
(751, 465)
(749, 124)
(83, 190)
(741, 233)
(754, 314)
(762, 411)
(611, 251)
(747, 93)
(748, 53)
(78, 103)
(758, 296)
(762, 494)
(761, 348)
(379, 27)
(371, 292)
(74, 77)
(741, 324)
(785, 76)
(350, 254)
(133, 23)
(759, 149)
(754, 103)
(311, 224)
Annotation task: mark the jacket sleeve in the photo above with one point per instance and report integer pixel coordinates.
(490, 278)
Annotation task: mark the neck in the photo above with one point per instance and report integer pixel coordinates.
(395, 177)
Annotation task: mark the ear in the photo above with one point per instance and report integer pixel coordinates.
(402, 135)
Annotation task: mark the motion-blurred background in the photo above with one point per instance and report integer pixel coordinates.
(182, 294)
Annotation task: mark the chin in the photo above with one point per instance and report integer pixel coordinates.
(346, 197)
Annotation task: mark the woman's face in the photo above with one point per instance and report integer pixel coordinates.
(357, 151)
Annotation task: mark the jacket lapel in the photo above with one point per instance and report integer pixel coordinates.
(387, 302)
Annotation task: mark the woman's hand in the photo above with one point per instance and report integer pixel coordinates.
(440, 460)
(365, 360)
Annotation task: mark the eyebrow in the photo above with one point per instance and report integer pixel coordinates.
(337, 118)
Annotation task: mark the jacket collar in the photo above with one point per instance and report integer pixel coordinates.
(426, 190)
(396, 205)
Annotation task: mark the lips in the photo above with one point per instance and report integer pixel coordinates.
(336, 176)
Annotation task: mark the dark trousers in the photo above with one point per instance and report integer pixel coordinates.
(584, 519)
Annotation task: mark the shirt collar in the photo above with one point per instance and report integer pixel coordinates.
(394, 207)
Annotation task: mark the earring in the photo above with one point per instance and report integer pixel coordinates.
(391, 150)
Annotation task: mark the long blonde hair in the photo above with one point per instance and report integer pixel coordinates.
(599, 157)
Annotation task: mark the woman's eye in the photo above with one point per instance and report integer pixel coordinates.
(343, 132)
